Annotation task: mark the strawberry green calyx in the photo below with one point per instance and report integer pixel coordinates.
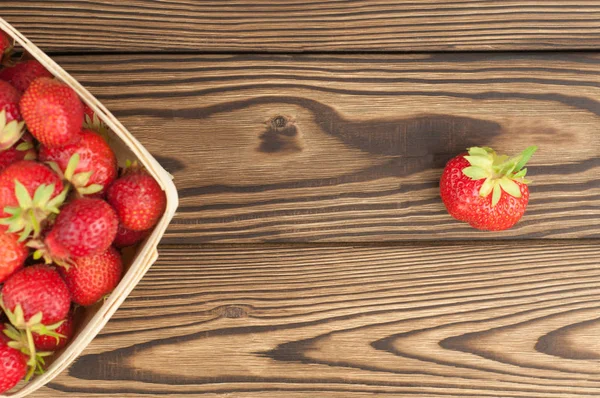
(43, 252)
(20, 332)
(499, 172)
(95, 124)
(31, 213)
(10, 132)
(29, 148)
(79, 181)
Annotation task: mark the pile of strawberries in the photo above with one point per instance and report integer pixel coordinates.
(66, 209)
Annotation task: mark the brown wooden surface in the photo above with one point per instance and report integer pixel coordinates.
(314, 25)
(501, 320)
(363, 139)
(371, 288)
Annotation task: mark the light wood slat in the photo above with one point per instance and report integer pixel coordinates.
(360, 157)
(510, 320)
(319, 25)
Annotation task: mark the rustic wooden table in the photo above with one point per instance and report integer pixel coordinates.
(311, 255)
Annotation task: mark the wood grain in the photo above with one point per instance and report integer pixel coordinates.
(509, 320)
(350, 148)
(315, 25)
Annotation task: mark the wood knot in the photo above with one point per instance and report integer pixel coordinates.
(281, 135)
(279, 122)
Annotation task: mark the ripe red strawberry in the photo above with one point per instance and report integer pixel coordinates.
(11, 125)
(93, 277)
(94, 168)
(23, 74)
(138, 200)
(13, 366)
(12, 254)
(5, 46)
(51, 343)
(52, 111)
(84, 227)
(29, 193)
(127, 237)
(38, 288)
(486, 190)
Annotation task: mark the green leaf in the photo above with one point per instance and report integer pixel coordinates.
(487, 187)
(475, 173)
(22, 195)
(525, 156)
(59, 199)
(497, 193)
(521, 174)
(92, 189)
(24, 146)
(56, 168)
(510, 187)
(72, 166)
(480, 161)
(474, 151)
(36, 319)
(40, 193)
(82, 179)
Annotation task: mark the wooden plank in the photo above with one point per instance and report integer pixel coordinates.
(350, 148)
(510, 320)
(315, 25)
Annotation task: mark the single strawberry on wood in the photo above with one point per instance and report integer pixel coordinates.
(89, 164)
(52, 112)
(22, 74)
(138, 199)
(93, 277)
(486, 190)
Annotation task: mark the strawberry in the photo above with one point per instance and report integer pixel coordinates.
(23, 74)
(12, 254)
(52, 111)
(51, 343)
(29, 193)
(6, 45)
(93, 277)
(13, 366)
(11, 125)
(84, 227)
(127, 237)
(89, 164)
(486, 190)
(138, 199)
(36, 300)
(37, 289)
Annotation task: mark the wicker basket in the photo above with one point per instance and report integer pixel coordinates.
(94, 318)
